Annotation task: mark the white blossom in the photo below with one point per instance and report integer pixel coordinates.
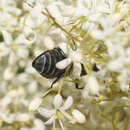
(8, 73)
(64, 63)
(35, 103)
(7, 37)
(64, 47)
(57, 101)
(116, 65)
(22, 117)
(101, 32)
(73, 57)
(92, 87)
(52, 114)
(53, 9)
(78, 116)
(48, 42)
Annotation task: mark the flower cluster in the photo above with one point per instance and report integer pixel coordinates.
(59, 111)
(92, 33)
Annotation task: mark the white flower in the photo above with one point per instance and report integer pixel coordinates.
(8, 118)
(114, 49)
(22, 53)
(64, 47)
(97, 34)
(22, 117)
(124, 87)
(116, 65)
(8, 73)
(76, 70)
(57, 101)
(26, 5)
(111, 48)
(128, 51)
(7, 37)
(39, 125)
(78, 116)
(48, 42)
(81, 11)
(32, 87)
(74, 57)
(5, 101)
(36, 102)
(59, 108)
(22, 78)
(67, 10)
(29, 34)
(103, 8)
(92, 87)
(4, 50)
(53, 9)
(123, 80)
(63, 64)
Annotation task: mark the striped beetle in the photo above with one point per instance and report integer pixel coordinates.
(46, 62)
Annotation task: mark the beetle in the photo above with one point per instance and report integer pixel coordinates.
(46, 62)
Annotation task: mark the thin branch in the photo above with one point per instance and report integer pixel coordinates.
(71, 36)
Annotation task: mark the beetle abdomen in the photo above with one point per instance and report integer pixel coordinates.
(45, 63)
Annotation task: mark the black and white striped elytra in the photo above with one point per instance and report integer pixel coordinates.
(45, 64)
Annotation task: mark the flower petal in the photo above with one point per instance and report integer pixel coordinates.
(50, 121)
(45, 112)
(22, 117)
(7, 37)
(92, 87)
(67, 115)
(35, 103)
(63, 47)
(39, 124)
(68, 103)
(76, 70)
(78, 116)
(57, 101)
(63, 64)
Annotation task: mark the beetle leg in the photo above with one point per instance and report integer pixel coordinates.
(55, 81)
(83, 71)
(95, 68)
(77, 86)
(57, 78)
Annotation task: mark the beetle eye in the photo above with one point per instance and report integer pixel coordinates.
(38, 63)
